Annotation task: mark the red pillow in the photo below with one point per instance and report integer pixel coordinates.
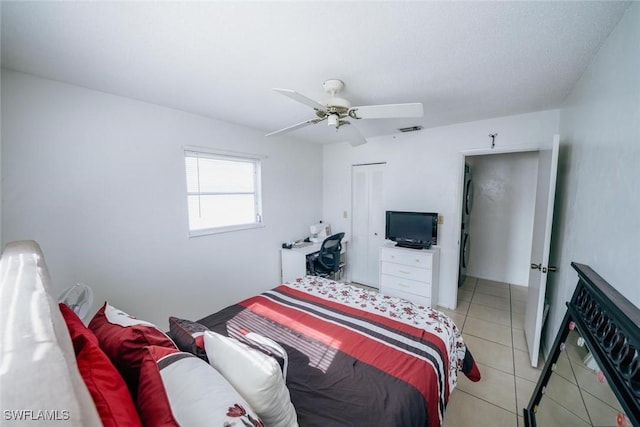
(153, 402)
(123, 337)
(75, 326)
(107, 388)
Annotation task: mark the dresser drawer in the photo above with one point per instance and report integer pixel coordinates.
(404, 285)
(416, 299)
(405, 271)
(412, 257)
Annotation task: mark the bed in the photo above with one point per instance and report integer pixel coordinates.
(356, 357)
(351, 357)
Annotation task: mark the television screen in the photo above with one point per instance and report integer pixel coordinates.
(412, 228)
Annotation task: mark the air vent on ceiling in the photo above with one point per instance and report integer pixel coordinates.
(410, 129)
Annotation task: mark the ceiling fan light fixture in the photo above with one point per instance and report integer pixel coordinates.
(338, 103)
(338, 111)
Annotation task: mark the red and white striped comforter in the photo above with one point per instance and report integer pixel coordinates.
(356, 357)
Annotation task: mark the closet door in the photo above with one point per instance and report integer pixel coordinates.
(368, 221)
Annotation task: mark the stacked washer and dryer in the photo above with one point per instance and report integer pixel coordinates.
(465, 243)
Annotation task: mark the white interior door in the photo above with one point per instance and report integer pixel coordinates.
(367, 227)
(376, 225)
(540, 246)
(357, 260)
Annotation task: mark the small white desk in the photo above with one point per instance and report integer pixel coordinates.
(294, 260)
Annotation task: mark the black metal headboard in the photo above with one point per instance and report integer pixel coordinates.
(609, 323)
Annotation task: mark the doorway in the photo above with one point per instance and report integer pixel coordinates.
(538, 234)
(499, 230)
(367, 223)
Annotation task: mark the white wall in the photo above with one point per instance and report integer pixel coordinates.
(597, 216)
(424, 172)
(98, 180)
(502, 216)
(0, 157)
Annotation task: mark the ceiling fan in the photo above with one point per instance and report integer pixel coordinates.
(338, 112)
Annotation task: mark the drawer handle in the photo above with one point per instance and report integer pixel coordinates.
(404, 272)
(403, 285)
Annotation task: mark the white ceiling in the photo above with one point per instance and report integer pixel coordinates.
(463, 60)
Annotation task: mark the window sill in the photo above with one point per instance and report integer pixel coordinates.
(218, 230)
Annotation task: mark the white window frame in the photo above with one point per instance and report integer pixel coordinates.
(256, 160)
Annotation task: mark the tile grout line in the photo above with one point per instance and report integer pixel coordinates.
(513, 356)
(487, 402)
(515, 412)
(467, 312)
(465, 315)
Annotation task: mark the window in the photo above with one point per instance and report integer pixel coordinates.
(223, 192)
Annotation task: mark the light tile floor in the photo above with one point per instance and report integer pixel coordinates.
(491, 316)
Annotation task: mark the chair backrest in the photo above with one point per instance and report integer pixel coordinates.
(329, 255)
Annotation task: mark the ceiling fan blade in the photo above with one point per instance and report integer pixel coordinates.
(296, 126)
(387, 111)
(301, 98)
(352, 134)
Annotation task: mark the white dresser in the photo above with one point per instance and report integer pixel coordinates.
(411, 274)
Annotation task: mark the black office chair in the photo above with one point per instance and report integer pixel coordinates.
(326, 262)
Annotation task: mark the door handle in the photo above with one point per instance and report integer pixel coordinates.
(551, 268)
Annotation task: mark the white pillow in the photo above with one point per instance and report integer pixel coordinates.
(256, 376)
(179, 389)
(270, 346)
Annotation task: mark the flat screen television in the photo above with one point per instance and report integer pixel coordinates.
(412, 229)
